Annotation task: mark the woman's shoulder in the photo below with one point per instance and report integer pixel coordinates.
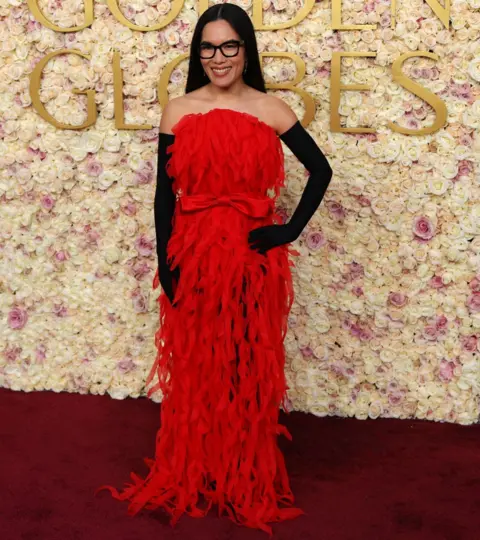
(172, 113)
(278, 114)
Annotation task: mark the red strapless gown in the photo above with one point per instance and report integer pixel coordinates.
(220, 361)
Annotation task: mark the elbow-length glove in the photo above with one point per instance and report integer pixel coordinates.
(309, 154)
(164, 207)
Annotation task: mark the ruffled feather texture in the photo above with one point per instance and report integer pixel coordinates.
(220, 360)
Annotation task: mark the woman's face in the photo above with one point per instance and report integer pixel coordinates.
(222, 70)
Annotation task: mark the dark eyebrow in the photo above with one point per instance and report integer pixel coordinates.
(223, 43)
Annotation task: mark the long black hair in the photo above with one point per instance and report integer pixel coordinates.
(239, 20)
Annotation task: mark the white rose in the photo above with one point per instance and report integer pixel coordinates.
(112, 142)
(112, 254)
(172, 37)
(106, 179)
(447, 167)
(438, 185)
(410, 153)
(445, 140)
(313, 50)
(474, 69)
(78, 153)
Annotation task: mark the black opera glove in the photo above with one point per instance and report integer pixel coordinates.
(164, 207)
(305, 149)
(264, 238)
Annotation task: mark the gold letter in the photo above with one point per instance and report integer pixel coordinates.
(443, 13)
(118, 97)
(433, 100)
(176, 7)
(337, 19)
(165, 77)
(37, 13)
(290, 85)
(336, 87)
(35, 79)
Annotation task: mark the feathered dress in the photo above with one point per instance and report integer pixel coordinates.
(220, 354)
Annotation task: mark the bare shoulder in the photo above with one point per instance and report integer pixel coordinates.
(280, 116)
(172, 113)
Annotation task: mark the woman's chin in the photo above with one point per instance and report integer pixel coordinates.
(223, 83)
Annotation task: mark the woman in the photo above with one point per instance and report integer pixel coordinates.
(227, 286)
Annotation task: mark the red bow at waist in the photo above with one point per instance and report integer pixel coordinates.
(251, 206)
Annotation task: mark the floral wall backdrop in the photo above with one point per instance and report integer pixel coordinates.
(387, 315)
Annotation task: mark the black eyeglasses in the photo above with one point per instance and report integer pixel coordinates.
(228, 49)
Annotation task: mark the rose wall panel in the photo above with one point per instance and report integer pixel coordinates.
(387, 314)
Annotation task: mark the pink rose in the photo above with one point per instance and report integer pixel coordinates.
(420, 113)
(412, 123)
(465, 167)
(315, 240)
(139, 269)
(357, 291)
(431, 332)
(139, 302)
(61, 256)
(397, 299)
(47, 202)
(94, 168)
(395, 398)
(33, 25)
(446, 370)
(147, 135)
(28, 196)
(11, 353)
(281, 214)
(473, 302)
(436, 282)
(126, 365)
(364, 201)
(336, 210)
(441, 322)
(129, 209)
(465, 140)
(306, 352)
(143, 176)
(177, 76)
(60, 310)
(355, 270)
(363, 333)
(469, 343)
(92, 236)
(40, 353)
(144, 246)
(423, 228)
(17, 318)
(475, 284)
(323, 70)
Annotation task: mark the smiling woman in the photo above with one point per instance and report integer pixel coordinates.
(225, 49)
(227, 286)
(230, 61)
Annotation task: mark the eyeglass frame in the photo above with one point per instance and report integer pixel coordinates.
(240, 43)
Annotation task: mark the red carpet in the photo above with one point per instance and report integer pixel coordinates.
(357, 480)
